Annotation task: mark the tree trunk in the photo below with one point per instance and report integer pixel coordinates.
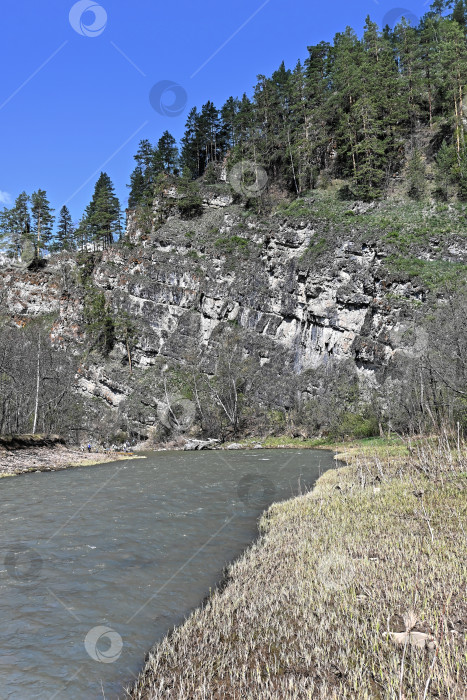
(129, 355)
(291, 160)
(36, 408)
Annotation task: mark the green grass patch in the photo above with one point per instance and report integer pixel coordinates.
(285, 441)
(391, 444)
(403, 223)
(232, 244)
(432, 273)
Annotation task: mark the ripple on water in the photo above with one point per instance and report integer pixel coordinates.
(133, 552)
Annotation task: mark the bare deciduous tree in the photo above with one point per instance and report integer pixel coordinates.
(36, 381)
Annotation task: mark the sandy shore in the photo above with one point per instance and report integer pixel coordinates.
(46, 459)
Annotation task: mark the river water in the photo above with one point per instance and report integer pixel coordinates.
(98, 563)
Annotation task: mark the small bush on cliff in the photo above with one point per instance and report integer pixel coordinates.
(230, 244)
(100, 325)
(210, 174)
(191, 204)
(86, 263)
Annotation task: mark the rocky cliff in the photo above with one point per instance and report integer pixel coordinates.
(302, 296)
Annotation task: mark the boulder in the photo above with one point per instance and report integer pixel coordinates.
(201, 444)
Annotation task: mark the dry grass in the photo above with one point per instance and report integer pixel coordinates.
(357, 590)
(105, 458)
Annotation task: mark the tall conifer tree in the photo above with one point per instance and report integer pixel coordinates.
(65, 237)
(42, 221)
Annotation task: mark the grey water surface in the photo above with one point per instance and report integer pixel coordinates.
(98, 563)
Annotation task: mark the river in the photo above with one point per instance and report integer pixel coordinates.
(98, 563)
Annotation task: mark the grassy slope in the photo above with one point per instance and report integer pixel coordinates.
(417, 236)
(378, 547)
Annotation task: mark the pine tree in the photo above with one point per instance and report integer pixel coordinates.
(453, 65)
(65, 237)
(406, 39)
(10, 236)
(191, 203)
(416, 175)
(345, 74)
(203, 141)
(374, 111)
(445, 161)
(148, 165)
(13, 231)
(83, 234)
(460, 177)
(229, 112)
(246, 120)
(314, 101)
(42, 221)
(191, 147)
(429, 60)
(272, 101)
(459, 14)
(5, 226)
(16, 226)
(210, 133)
(100, 323)
(137, 187)
(102, 217)
(167, 152)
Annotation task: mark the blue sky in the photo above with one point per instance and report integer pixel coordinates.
(74, 94)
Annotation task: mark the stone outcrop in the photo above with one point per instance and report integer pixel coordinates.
(303, 295)
(192, 445)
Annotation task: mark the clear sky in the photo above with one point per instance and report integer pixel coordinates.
(75, 89)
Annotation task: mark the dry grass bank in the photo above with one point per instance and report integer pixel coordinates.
(357, 590)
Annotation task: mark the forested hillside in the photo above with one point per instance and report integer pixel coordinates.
(297, 264)
(365, 110)
(381, 111)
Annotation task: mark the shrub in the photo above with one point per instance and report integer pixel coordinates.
(191, 205)
(357, 426)
(231, 244)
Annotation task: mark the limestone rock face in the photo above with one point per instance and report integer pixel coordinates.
(26, 294)
(186, 282)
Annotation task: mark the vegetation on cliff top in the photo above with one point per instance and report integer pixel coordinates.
(381, 113)
(362, 109)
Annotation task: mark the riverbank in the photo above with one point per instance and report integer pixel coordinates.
(355, 590)
(24, 454)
